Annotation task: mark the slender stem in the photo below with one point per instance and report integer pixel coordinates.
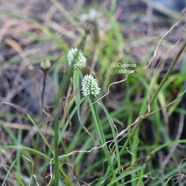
(101, 134)
(155, 95)
(43, 90)
(169, 71)
(113, 133)
(56, 152)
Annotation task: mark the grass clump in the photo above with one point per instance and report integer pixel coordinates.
(115, 118)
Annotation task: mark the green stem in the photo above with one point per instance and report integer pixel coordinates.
(101, 134)
(76, 85)
(43, 89)
(113, 133)
(169, 71)
(56, 152)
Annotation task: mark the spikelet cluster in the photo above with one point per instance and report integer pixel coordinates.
(76, 58)
(90, 86)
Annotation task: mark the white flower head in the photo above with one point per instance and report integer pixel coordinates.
(76, 58)
(45, 64)
(90, 86)
(93, 14)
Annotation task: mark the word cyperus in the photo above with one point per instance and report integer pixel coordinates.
(126, 68)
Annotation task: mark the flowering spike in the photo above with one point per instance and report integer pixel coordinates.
(76, 58)
(90, 86)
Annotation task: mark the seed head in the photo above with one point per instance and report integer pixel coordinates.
(90, 86)
(76, 58)
(45, 64)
